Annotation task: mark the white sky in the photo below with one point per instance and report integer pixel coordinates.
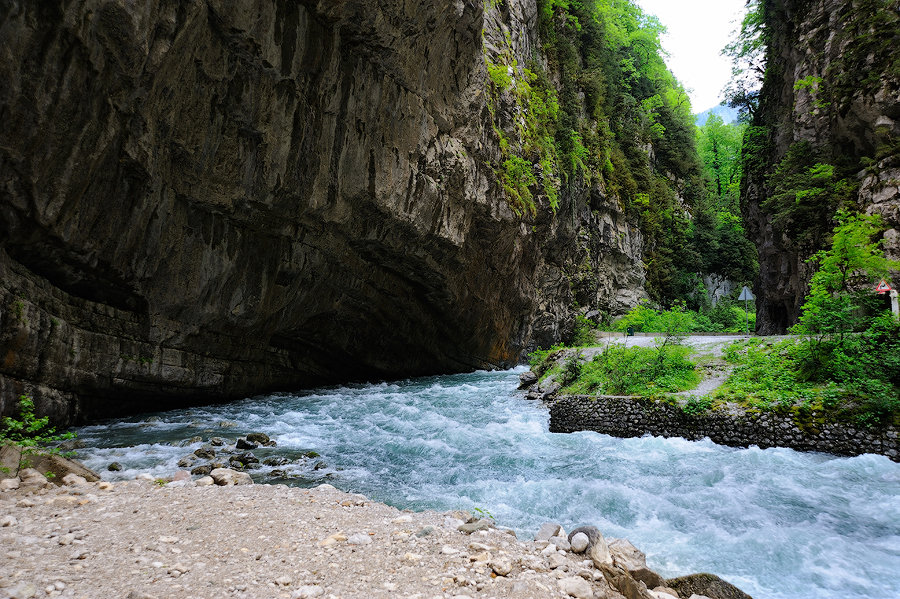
(697, 32)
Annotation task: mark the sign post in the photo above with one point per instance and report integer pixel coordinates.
(882, 288)
(746, 296)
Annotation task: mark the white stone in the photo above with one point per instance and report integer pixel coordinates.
(308, 592)
(73, 480)
(448, 550)
(501, 566)
(145, 477)
(204, 481)
(576, 587)
(580, 542)
(561, 543)
(359, 538)
(548, 550)
(9, 484)
(283, 581)
(8, 521)
(548, 530)
(599, 553)
(226, 477)
(557, 560)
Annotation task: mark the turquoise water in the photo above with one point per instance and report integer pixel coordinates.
(777, 523)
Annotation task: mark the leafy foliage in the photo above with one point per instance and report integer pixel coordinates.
(725, 317)
(29, 431)
(636, 371)
(806, 193)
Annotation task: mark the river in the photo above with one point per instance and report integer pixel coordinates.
(777, 523)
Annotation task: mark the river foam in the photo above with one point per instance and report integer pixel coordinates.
(777, 523)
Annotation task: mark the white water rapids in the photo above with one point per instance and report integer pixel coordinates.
(777, 523)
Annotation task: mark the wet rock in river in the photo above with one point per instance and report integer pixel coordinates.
(205, 452)
(245, 444)
(259, 438)
(114, 467)
(276, 460)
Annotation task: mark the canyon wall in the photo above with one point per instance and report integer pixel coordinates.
(202, 200)
(831, 91)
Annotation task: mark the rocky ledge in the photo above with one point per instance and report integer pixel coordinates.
(223, 536)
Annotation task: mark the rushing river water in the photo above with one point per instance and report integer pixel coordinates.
(777, 523)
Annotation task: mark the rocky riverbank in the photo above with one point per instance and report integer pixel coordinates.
(222, 536)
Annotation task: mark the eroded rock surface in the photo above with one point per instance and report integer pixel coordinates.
(203, 200)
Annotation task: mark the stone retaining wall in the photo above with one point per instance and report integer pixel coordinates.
(635, 417)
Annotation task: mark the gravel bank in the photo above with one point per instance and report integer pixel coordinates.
(142, 540)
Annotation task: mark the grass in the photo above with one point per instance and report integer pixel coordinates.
(769, 376)
(620, 370)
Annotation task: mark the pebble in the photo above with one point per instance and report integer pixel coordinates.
(25, 502)
(284, 581)
(8, 521)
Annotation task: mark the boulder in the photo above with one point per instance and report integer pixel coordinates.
(708, 585)
(527, 379)
(577, 587)
(33, 479)
(73, 480)
(114, 467)
(632, 560)
(470, 527)
(206, 452)
(624, 583)
(597, 548)
(58, 467)
(245, 444)
(259, 438)
(225, 477)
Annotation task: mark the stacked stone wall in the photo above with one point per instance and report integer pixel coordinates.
(735, 427)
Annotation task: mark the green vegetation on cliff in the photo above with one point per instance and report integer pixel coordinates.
(598, 115)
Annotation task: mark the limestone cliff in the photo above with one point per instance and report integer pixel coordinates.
(831, 95)
(201, 200)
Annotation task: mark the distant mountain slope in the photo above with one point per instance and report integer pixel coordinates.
(729, 115)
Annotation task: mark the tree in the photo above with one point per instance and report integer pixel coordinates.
(835, 305)
(748, 53)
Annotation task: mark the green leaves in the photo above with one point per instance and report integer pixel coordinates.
(28, 430)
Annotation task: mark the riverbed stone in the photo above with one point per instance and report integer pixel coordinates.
(705, 584)
(548, 530)
(260, 438)
(114, 467)
(575, 586)
(228, 477)
(632, 560)
(471, 527)
(245, 444)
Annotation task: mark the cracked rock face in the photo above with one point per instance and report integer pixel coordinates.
(830, 41)
(202, 200)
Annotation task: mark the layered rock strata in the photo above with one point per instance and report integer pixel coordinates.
(202, 200)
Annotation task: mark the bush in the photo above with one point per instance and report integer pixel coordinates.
(30, 432)
(636, 371)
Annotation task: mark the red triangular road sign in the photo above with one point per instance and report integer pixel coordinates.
(883, 287)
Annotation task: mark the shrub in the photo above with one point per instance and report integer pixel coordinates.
(29, 432)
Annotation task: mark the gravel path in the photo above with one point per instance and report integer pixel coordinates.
(143, 540)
